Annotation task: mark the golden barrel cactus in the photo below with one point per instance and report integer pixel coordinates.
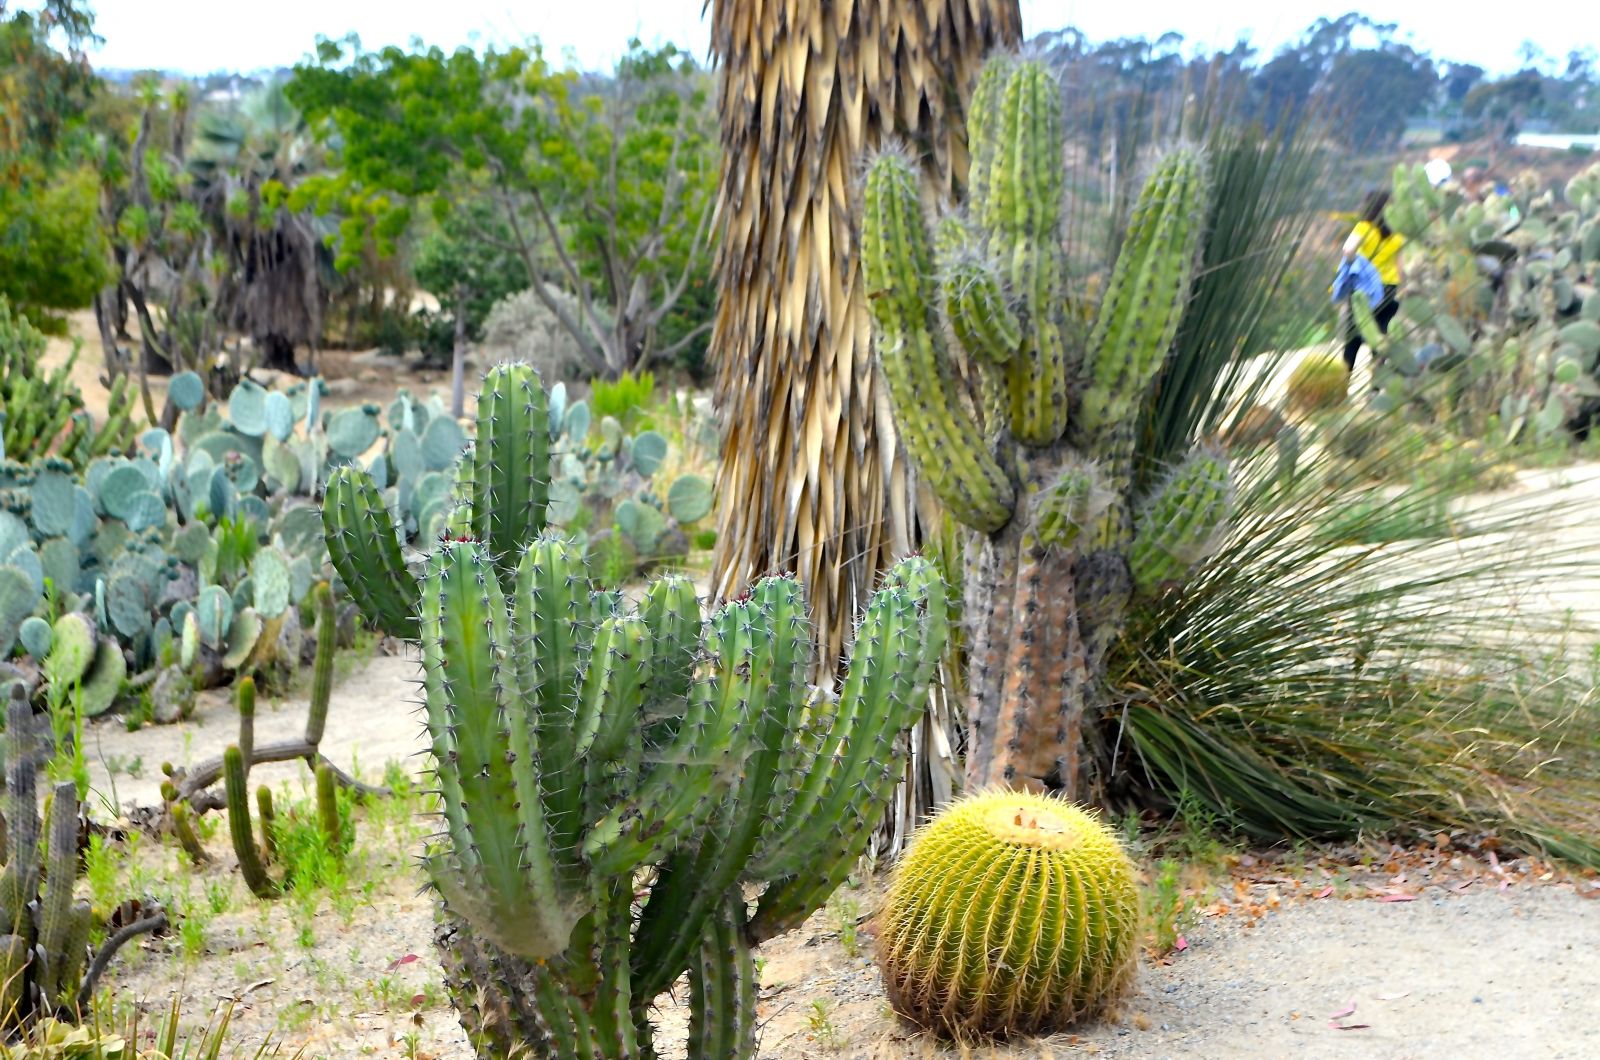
(1318, 382)
(1012, 913)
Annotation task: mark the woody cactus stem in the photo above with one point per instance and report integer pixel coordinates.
(44, 929)
(1044, 481)
(576, 743)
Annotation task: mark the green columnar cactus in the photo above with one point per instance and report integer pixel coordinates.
(1038, 461)
(236, 781)
(576, 743)
(328, 805)
(44, 929)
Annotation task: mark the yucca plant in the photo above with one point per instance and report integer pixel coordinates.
(615, 782)
(1302, 687)
(1297, 684)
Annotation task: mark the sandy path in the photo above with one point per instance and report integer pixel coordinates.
(371, 722)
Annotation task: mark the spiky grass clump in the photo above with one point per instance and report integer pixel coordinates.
(1319, 382)
(1011, 913)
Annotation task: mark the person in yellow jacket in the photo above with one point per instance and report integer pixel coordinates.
(1374, 240)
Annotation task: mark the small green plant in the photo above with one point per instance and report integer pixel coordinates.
(846, 911)
(820, 1020)
(1168, 910)
(219, 896)
(1375, 521)
(1198, 836)
(627, 399)
(192, 931)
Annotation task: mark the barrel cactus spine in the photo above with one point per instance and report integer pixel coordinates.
(1037, 461)
(577, 742)
(1059, 938)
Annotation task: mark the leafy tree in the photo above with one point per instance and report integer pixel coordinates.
(1506, 104)
(246, 164)
(1375, 91)
(601, 186)
(52, 254)
(468, 274)
(42, 92)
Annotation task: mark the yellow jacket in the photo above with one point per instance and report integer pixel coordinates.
(1383, 253)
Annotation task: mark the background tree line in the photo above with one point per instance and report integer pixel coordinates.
(310, 208)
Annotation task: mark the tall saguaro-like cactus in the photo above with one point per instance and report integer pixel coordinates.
(577, 743)
(1029, 439)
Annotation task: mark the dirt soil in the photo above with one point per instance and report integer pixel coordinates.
(1441, 954)
(1460, 957)
(352, 376)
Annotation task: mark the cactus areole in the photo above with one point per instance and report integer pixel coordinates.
(615, 782)
(1037, 457)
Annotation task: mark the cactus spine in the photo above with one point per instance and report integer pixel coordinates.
(576, 742)
(1062, 539)
(1057, 918)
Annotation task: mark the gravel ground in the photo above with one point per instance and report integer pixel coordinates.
(1494, 974)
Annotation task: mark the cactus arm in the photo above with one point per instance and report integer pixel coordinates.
(55, 907)
(976, 306)
(722, 989)
(1149, 289)
(1017, 201)
(20, 883)
(328, 806)
(672, 612)
(511, 464)
(366, 552)
(1182, 521)
(897, 647)
(76, 954)
(763, 681)
(545, 626)
(183, 828)
(244, 842)
(939, 432)
(905, 619)
(681, 790)
(498, 861)
(613, 684)
(1069, 509)
(269, 819)
(322, 667)
(244, 700)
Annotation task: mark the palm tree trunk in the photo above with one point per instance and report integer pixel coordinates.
(812, 478)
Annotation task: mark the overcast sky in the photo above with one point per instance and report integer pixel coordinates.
(201, 36)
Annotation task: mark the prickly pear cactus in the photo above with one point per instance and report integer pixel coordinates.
(577, 742)
(1035, 456)
(1062, 942)
(1499, 328)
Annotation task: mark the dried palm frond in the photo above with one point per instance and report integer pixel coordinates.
(811, 477)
